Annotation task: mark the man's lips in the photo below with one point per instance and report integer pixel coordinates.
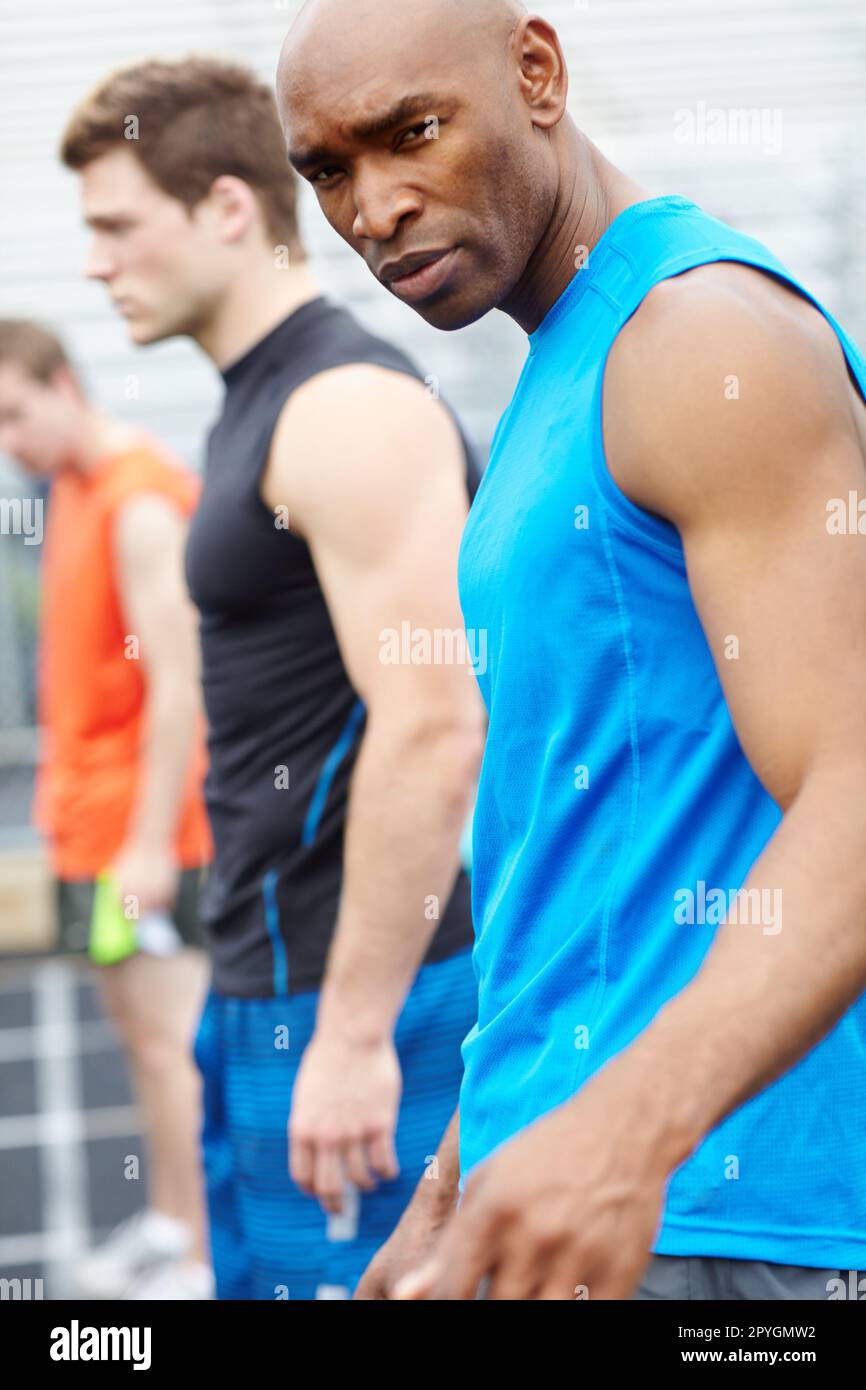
(417, 276)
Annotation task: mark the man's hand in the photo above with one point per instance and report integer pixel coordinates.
(149, 875)
(422, 1223)
(567, 1209)
(344, 1117)
(409, 1248)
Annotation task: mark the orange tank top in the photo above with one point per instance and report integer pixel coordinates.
(92, 696)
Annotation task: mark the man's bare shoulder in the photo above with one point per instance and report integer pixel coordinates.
(719, 367)
(358, 396)
(362, 436)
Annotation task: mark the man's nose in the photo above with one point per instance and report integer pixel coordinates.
(380, 206)
(97, 264)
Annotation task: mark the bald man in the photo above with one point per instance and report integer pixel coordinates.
(664, 1090)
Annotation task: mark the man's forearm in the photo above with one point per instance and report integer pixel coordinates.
(169, 730)
(764, 997)
(410, 797)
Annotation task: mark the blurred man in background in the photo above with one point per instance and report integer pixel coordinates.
(343, 757)
(119, 784)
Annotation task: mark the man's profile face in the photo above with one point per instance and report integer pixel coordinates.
(39, 420)
(159, 261)
(416, 154)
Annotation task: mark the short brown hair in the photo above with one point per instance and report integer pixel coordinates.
(197, 118)
(39, 353)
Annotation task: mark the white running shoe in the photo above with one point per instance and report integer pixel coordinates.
(142, 1245)
(182, 1280)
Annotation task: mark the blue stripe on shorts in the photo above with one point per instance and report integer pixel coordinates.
(270, 1241)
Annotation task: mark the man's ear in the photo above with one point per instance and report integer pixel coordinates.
(234, 206)
(543, 70)
(64, 380)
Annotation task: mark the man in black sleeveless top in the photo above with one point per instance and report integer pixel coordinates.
(345, 731)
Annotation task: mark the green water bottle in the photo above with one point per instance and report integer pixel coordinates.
(113, 937)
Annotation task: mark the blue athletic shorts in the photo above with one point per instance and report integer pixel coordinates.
(269, 1240)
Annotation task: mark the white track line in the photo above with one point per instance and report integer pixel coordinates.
(62, 1155)
(109, 1122)
(18, 1043)
(39, 1249)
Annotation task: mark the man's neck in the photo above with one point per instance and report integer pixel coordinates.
(257, 301)
(98, 438)
(591, 195)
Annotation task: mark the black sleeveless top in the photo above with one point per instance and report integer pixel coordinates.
(285, 724)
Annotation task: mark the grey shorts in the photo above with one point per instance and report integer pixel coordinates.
(74, 898)
(687, 1277)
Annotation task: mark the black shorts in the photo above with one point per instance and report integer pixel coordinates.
(74, 898)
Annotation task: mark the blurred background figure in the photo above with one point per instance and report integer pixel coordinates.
(119, 783)
(335, 494)
(647, 82)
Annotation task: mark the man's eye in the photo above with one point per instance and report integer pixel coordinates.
(324, 175)
(412, 134)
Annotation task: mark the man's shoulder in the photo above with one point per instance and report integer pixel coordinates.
(354, 385)
(720, 370)
(344, 412)
(360, 440)
(143, 467)
(702, 313)
(147, 496)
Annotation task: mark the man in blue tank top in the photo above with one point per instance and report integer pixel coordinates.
(667, 559)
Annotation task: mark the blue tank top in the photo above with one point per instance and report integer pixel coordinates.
(615, 799)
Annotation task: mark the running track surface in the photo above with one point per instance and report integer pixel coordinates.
(68, 1124)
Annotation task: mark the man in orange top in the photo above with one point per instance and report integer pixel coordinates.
(119, 786)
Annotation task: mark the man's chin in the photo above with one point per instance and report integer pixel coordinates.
(142, 334)
(462, 301)
(449, 316)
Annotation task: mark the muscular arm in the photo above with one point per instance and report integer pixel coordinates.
(746, 482)
(149, 540)
(372, 472)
